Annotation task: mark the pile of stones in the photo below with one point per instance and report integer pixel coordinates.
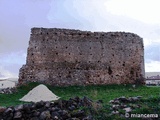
(124, 104)
(72, 109)
(8, 90)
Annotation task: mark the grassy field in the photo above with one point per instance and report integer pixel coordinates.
(105, 93)
(150, 95)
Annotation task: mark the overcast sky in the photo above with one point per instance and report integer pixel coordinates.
(17, 17)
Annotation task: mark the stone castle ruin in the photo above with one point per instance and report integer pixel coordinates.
(64, 57)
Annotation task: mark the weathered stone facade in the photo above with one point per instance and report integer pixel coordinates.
(73, 57)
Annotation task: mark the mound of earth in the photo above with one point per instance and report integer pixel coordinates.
(39, 93)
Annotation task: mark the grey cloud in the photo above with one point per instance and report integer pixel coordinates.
(152, 52)
(12, 68)
(1, 76)
(12, 62)
(17, 17)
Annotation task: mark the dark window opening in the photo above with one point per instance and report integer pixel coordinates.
(131, 71)
(136, 74)
(123, 64)
(109, 70)
(87, 68)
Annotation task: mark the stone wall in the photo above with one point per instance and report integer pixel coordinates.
(72, 57)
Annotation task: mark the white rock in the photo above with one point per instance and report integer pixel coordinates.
(115, 106)
(111, 101)
(115, 112)
(128, 109)
(134, 86)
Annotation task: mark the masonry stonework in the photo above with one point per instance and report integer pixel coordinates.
(64, 57)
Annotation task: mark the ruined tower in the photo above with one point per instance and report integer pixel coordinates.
(73, 57)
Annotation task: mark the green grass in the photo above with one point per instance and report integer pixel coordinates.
(150, 101)
(98, 92)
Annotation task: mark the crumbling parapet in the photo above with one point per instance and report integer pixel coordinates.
(65, 57)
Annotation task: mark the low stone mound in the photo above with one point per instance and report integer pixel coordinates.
(39, 93)
(72, 109)
(8, 90)
(124, 103)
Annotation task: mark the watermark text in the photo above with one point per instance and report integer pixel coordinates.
(136, 115)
